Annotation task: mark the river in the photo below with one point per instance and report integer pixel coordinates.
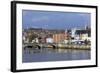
(48, 54)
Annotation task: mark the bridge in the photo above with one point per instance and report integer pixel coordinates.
(40, 45)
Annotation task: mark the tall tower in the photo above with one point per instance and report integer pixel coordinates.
(73, 32)
(66, 31)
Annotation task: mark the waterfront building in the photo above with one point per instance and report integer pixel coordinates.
(73, 32)
(83, 34)
(35, 40)
(49, 40)
(60, 37)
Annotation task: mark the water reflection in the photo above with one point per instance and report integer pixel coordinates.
(48, 54)
(50, 50)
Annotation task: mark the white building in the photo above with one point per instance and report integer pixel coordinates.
(73, 32)
(49, 40)
(66, 41)
(35, 40)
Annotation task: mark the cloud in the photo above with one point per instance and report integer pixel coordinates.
(39, 19)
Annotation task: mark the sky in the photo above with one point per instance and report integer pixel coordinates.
(54, 19)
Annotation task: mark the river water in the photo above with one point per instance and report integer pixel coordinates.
(48, 54)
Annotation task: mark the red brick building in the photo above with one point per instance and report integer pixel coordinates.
(59, 37)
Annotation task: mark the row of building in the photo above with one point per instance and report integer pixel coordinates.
(63, 36)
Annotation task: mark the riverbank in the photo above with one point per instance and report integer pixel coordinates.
(80, 47)
(55, 46)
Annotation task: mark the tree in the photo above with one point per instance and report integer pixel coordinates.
(32, 36)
